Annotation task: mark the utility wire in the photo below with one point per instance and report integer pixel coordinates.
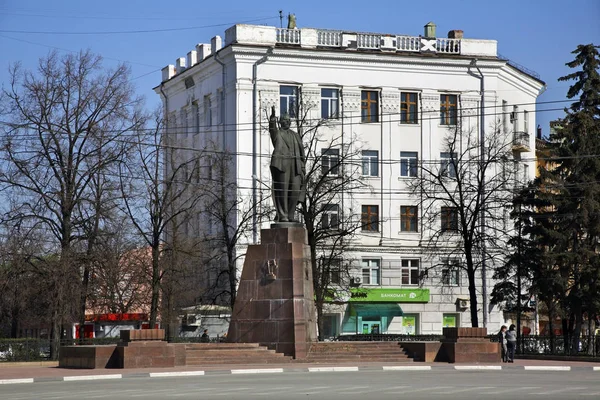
(241, 126)
(137, 31)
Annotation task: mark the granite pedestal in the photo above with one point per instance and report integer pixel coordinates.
(275, 302)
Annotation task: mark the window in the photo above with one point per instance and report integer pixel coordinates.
(221, 106)
(410, 272)
(408, 108)
(449, 219)
(448, 110)
(370, 218)
(451, 273)
(330, 100)
(330, 162)
(196, 117)
(207, 111)
(525, 174)
(408, 218)
(331, 267)
(335, 273)
(288, 100)
(369, 106)
(408, 163)
(448, 165)
(370, 163)
(330, 216)
(370, 272)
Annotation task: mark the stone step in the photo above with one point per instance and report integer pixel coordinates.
(231, 351)
(222, 346)
(385, 356)
(217, 361)
(236, 356)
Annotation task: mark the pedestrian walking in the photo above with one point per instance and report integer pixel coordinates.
(502, 341)
(511, 343)
(205, 338)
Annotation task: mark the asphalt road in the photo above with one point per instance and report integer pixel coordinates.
(370, 385)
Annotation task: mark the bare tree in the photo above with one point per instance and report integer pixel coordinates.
(55, 122)
(159, 197)
(229, 218)
(456, 192)
(333, 173)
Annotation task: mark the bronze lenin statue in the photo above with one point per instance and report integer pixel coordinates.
(288, 168)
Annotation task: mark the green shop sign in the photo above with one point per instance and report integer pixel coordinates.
(361, 295)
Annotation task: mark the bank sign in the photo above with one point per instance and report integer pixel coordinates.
(361, 295)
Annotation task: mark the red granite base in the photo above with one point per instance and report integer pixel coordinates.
(275, 302)
(143, 348)
(461, 345)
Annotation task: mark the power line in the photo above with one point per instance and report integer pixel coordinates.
(137, 31)
(76, 52)
(179, 130)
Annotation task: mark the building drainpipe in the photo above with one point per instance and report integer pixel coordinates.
(255, 145)
(482, 194)
(222, 94)
(381, 169)
(166, 116)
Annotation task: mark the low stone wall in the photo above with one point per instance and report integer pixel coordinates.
(143, 348)
(423, 351)
(459, 345)
(88, 357)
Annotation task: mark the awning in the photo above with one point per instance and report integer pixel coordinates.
(375, 309)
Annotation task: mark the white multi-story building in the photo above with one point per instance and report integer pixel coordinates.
(399, 95)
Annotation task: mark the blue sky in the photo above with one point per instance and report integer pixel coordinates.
(539, 34)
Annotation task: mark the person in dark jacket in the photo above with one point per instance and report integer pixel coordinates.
(502, 341)
(205, 338)
(511, 343)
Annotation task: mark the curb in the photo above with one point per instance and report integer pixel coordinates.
(386, 368)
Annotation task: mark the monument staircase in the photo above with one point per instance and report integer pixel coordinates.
(343, 352)
(232, 353)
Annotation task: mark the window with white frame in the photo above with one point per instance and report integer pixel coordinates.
(408, 163)
(330, 101)
(448, 164)
(370, 163)
(371, 271)
(207, 111)
(330, 162)
(332, 268)
(288, 100)
(451, 273)
(330, 216)
(410, 271)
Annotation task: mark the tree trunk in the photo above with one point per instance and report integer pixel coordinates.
(472, 293)
(578, 314)
(155, 285)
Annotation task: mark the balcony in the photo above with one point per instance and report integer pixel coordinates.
(521, 142)
(326, 38)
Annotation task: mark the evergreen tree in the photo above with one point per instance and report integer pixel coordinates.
(565, 204)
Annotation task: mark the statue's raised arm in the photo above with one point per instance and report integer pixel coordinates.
(273, 126)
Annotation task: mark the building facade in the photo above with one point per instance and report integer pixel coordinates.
(396, 97)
